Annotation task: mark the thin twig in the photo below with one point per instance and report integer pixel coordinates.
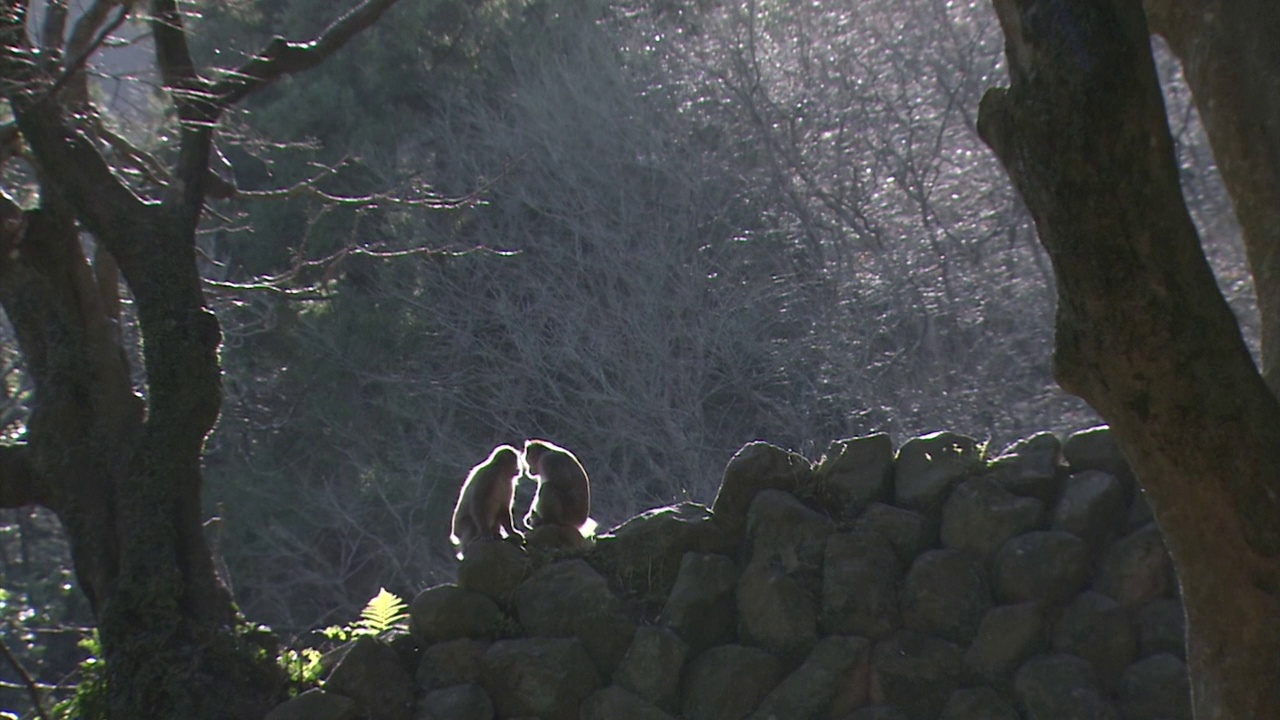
(26, 680)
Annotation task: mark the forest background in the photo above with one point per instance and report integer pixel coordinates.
(665, 229)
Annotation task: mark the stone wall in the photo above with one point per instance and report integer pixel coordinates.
(931, 582)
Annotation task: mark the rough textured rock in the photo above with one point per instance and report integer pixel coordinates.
(701, 607)
(373, 675)
(494, 569)
(1050, 566)
(910, 533)
(459, 702)
(1136, 569)
(450, 663)
(1097, 628)
(877, 712)
(916, 673)
(652, 666)
(776, 612)
(1092, 508)
(1060, 687)
(571, 599)
(615, 703)
(1140, 512)
(783, 530)
(1161, 628)
(980, 516)
(860, 583)
(1155, 688)
(1031, 467)
(837, 614)
(1008, 635)
(645, 552)
(853, 474)
(928, 467)
(946, 594)
(547, 542)
(978, 704)
(727, 682)
(832, 681)
(1095, 449)
(757, 466)
(316, 704)
(447, 612)
(539, 677)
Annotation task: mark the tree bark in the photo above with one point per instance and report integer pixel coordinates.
(1142, 332)
(1231, 60)
(123, 472)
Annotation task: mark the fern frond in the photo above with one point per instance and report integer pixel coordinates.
(384, 612)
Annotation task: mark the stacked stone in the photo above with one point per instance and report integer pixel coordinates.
(930, 583)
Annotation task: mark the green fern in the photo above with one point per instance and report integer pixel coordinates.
(385, 611)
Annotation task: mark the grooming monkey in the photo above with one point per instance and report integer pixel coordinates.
(484, 502)
(564, 492)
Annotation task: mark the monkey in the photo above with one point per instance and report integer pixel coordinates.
(564, 492)
(484, 502)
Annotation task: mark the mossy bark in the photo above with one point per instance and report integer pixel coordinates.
(1143, 334)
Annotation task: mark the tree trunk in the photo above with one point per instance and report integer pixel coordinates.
(1142, 332)
(123, 474)
(1231, 60)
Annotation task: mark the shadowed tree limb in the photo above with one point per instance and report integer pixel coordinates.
(1142, 331)
(19, 484)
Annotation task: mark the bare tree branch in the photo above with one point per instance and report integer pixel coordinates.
(282, 57)
(55, 27)
(172, 52)
(27, 681)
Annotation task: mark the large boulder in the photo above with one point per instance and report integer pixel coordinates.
(929, 466)
(447, 612)
(910, 533)
(861, 578)
(455, 662)
(776, 612)
(1154, 688)
(1095, 448)
(1030, 468)
(727, 682)
(571, 599)
(644, 553)
(980, 516)
(1050, 566)
(615, 703)
(757, 466)
(458, 702)
(1162, 628)
(316, 704)
(1092, 507)
(372, 674)
(1008, 635)
(783, 530)
(1097, 628)
(831, 682)
(981, 703)
(652, 667)
(946, 594)
(915, 672)
(852, 474)
(1136, 569)
(539, 677)
(1061, 687)
(494, 569)
(701, 608)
